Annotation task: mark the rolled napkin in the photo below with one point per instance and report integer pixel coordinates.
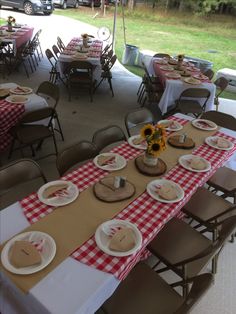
(139, 141)
(222, 143)
(198, 164)
(167, 192)
(103, 160)
(24, 254)
(123, 240)
(52, 191)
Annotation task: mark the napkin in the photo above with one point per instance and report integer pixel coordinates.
(24, 254)
(123, 240)
(105, 160)
(167, 192)
(222, 143)
(198, 164)
(53, 190)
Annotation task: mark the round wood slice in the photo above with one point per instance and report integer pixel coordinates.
(105, 190)
(157, 170)
(174, 141)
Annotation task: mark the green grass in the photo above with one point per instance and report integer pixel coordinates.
(172, 33)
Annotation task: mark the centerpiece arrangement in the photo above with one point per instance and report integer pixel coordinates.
(10, 21)
(156, 143)
(180, 59)
(85, 38)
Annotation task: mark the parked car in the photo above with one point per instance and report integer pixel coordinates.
(66, 3)
(97, 3)
(30, 6)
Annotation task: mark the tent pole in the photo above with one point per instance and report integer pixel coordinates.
(123, 18)
(114, 26)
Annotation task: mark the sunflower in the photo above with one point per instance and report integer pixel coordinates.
(155, 147)
(147, 131)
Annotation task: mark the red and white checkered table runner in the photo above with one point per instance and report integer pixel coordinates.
(146, 213)
(9, 116)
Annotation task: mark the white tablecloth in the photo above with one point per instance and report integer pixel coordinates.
(71, 288)
(174, 88)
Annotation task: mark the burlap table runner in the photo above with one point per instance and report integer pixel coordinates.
(73, 224)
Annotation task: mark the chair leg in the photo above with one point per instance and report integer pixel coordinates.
(110, 84)
(55, 144)
(60, 129)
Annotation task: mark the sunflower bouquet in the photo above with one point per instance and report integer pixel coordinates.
(11, 20)
(155, 136)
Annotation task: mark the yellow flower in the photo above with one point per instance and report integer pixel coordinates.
(147, 131)
(155, 147)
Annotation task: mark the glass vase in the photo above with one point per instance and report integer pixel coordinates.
(9, 27)
(150, 160)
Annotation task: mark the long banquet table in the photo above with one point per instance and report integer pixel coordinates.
(18, 37)
(174, 87)
(11, 113)
(72, 53)
(76, 286)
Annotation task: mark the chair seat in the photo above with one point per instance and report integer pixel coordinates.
(204, 205)
(152, 294)
(224, 179)
(178, 241)
(31, 133)
(189, 106)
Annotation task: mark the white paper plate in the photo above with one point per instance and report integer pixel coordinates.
(166, 68)
(119, 163)
(191, 80)
(212, 141)
(47, 254)
(173, 75)
(177, 125)
(186, 159)
(15, 99)
(21, 90)
(103, 240)
(72, 191)
(152, 186)
(205, 125)
(142, 146)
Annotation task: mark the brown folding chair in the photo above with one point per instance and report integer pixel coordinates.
(136, 119)
(186, 251)
(52, 93)
(221, 84)
(56, 51)
(60, 44)
(107, 74)
(161, 55)
(145, 292)
(14, 175)
(192, 106)
(209, 73)
(107, 136)
(224, 179)
(54, 74)
(75, 154)
(79, 74)
(26, 134)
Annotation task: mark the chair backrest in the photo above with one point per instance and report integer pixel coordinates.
(221, 84)
(37, 115)
(51, 57)
(209, 73)
(196, 93)
(56, 51)
(222, 119)
(60, 44)
(161, 55)
(134, 120)
(108, 135)
(17, 173)
(79, 66)
(75, 154)
(50, 90)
